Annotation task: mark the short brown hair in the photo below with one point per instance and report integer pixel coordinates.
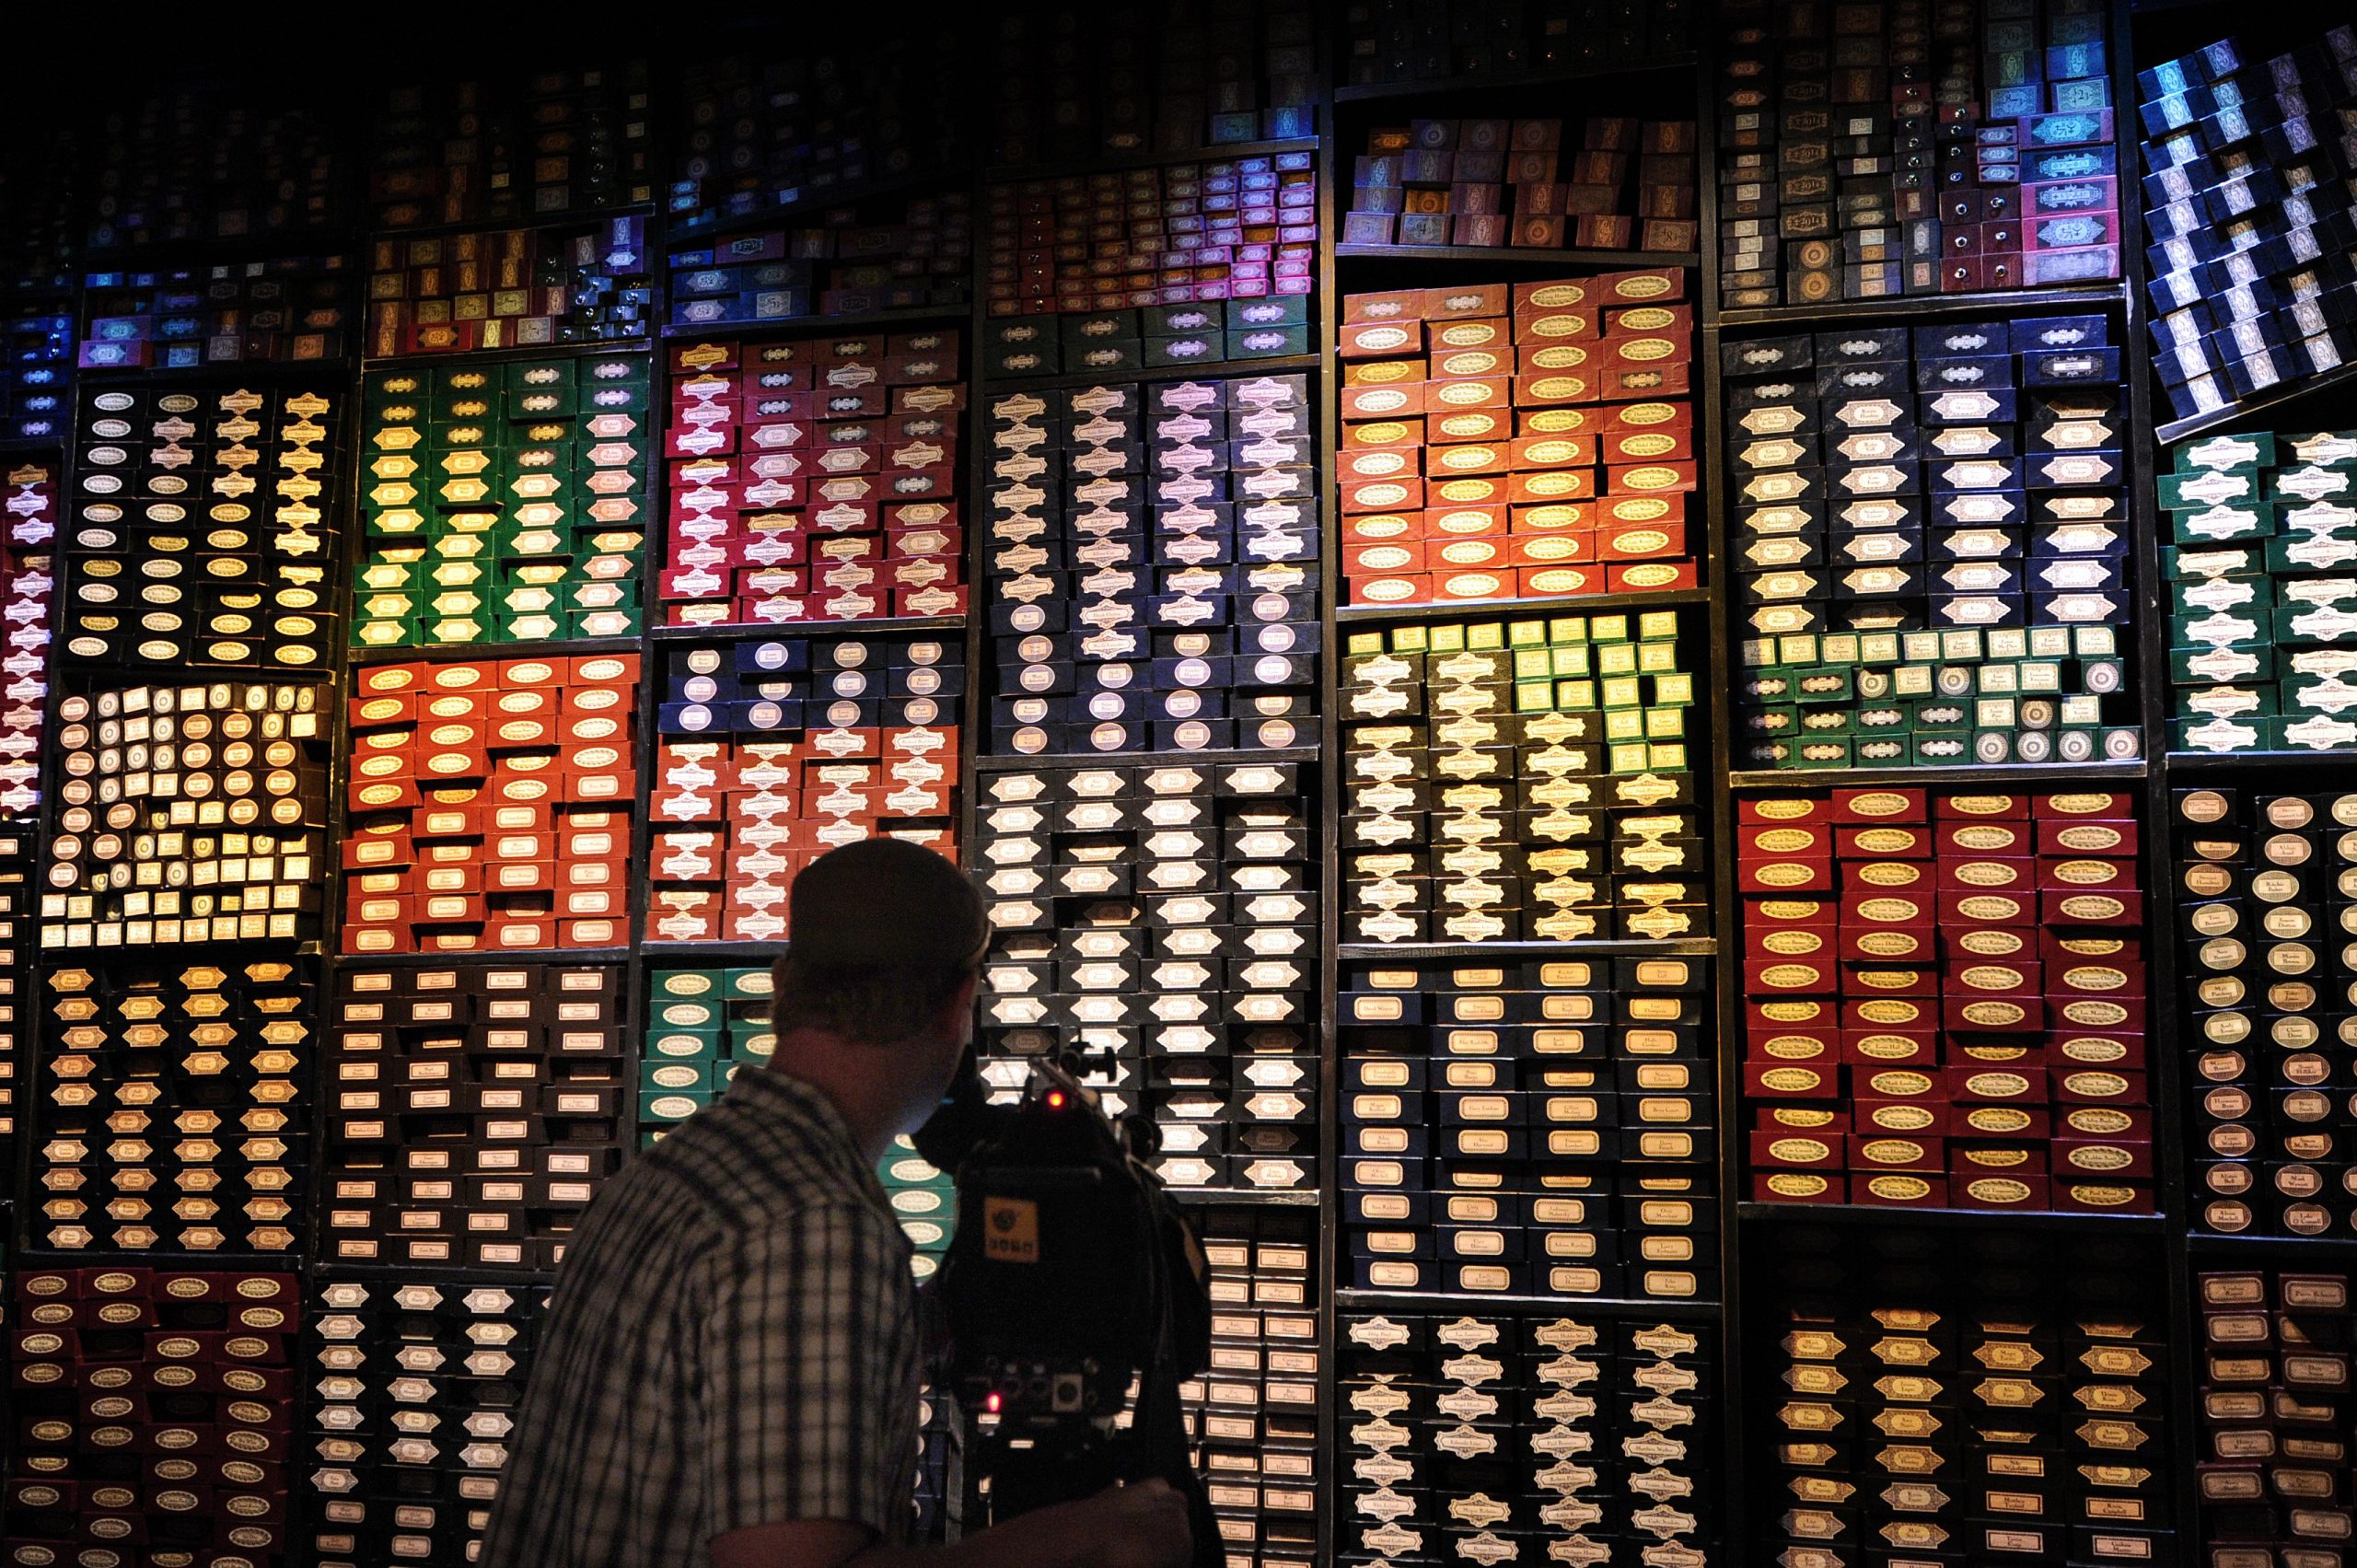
(883, 932)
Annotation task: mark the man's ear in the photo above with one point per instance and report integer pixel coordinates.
(961, 1010)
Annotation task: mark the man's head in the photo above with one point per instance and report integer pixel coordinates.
(888, 939)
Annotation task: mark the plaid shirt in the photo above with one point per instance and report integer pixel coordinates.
(732, 1341)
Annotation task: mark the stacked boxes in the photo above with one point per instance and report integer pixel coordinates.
(1527, 780)
(1969, 1398)
(201, 530)
(1106, 343)
(1527, 1438)
(701, 1026)
(2263, 593)
(37, 339)
(1254, 1412)
(155, 1414)
(2265, 889)
(1629, 185)
(2247, 219)
(2273, 1464)
(1932, 538)
(1477, 38)
(282, 308)
(842, 267)
(224, 840)
(178, 169)
(1073, 83)
(814, 479)
(473, 1112)
(1945, 1001)
(1920, 148)
(1153, 567)
(552, 142)
(1542, 1127)
(28, 580)
(768, 754)
(418, 1387)
(18, 1004)
(1161, 920)
(509, 288)
(488, 806)
(1526, 443)
(1167, 233)
(38, 261)
(503, 503)
(178, 1117)
(925, 1199)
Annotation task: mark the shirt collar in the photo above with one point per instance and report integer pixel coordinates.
(771, 1092)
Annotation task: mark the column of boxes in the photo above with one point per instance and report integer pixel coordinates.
(1535, 1128)
(814, 479)
(418, 1386)
(1971, 1398)
(537, 144)
(219, 834)
(283, 307)
(1254, 1412)
(2273, 1461)
(1931, 539)
(38, 260)
(1072, 83)
(923, 259)
(1477, 38)
(925, 1199)
(200, 530)
(36, 335)
(2262, 568)
(503, 503)
(1166, 234)
(1158, 337)
(17, 1002)
(1527, 1438)
(473, 1112)
(770, 753)
(1531, 442)
(1152, 563)
(1923, 146)
(173, 169)
(488, 804)
(27, 583)
(1527, 780)
(702, 1025)
(2245, 217)
(2265, 889)
(1628, 185)
(179, 1111)
(1945, 1000)
(1161, 920)
(155, 1416)
(509, 288)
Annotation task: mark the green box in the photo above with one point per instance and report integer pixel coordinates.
(1268, 342)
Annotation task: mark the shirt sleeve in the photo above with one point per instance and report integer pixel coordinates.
(805, 1356)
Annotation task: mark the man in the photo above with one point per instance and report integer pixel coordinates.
(730, 1374)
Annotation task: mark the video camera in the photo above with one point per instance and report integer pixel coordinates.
(1072, 1276)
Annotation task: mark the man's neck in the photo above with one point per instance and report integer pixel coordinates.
(843, 1072)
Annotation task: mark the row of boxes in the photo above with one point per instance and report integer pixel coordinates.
(1531, 442)
(473, 1112)
(1162, 920)
(2274, 1466)
(527, 144)
(154, 1416)
(2264, 907)
(1982, 1397)
(1629, 185)
(176, 1112)
(489, 804)
(1442, 38)
(921, 260)
(2245, 217)
(503, 503)
(200, 531)
(771, 753)
(1527, 1438)
(1253, 1416)
(418, 1389)
(27, 585)
(1152, 560)
(187, 815)
(1543, 1127)
(1931, 530)
(1157, 337)
(285, 308)
(814, 479)
(1945, 1000)
(181, 167)
(2262, 568)
(1165, 234)
(510, 289)
(1524, 781)
(1074, 83)
(1923, 146)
